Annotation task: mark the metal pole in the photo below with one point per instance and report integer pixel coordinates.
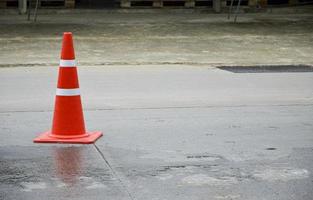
(22, 6)
(217, 5)
(29, 9)
(230, 9)
(237, 10)
(35, 14)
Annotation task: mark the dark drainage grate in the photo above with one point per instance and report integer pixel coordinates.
(268, 68)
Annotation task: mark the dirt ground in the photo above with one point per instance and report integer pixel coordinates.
(159, 37)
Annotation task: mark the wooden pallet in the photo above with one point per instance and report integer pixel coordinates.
(186, 3)
(8, 3)
(195, 3)
(42, 3)
(57, 3)
(147, 3)
(163, 3)
(264, 3)
(69, 4)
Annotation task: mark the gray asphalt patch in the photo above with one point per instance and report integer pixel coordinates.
(268, 68)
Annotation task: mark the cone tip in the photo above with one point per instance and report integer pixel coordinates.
(67, 51)
(67, 33)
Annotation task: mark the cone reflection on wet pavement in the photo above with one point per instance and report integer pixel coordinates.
(68, 121)
(68, 172)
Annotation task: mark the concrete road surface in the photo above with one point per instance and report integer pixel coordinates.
(170, 132)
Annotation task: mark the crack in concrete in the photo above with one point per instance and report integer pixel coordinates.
(114, 173)
(163, 108)
(213, 65)
(111, 63)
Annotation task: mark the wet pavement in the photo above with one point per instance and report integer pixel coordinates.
(56, 172)
(170, 132)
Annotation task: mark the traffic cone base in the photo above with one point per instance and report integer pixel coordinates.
(88, 138)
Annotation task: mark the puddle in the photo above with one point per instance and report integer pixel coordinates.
(203, 179)
(283, 174)
(30, 186)
(96, 185)
(165, 177)
(228, 197)
(204, 157)
(173, 157)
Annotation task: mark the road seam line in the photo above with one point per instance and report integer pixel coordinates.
(166, 108)
(114, 173)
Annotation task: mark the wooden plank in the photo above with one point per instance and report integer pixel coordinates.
(293, 2)
(190, 3)
(3, 4)
(125, 4)
(263, 3)
(157, 4)
(22, 6)
(52, 0)
(223, 3)
(217, 5)
(252, 3)
(69, 3)
(160, 0)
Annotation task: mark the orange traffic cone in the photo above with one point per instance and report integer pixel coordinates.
(68, 121)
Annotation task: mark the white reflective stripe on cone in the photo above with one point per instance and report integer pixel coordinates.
(67, 63)
(67, 92)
